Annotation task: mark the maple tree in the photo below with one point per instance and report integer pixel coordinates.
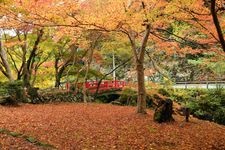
(206, 17)
(136, 20)
(174, 27)
(65, 56)
(75, 40)
(26, 17)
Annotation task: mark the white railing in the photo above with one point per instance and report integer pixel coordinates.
(200, 84)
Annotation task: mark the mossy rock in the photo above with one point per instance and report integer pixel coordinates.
(164, 111)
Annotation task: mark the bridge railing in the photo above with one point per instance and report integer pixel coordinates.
(105, 85)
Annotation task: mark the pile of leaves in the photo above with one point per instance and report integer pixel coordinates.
(102, 126)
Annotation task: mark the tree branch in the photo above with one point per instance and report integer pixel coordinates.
(110, 72)
(217, 24)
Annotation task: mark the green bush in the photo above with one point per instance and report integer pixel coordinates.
(128, 96)
(11, 93)
(165, 92)
(184, 95)
(219, 116)
(11, 88)
(209, 106)
(204, 104)
(3, 89)
(15, 89)
(107, 97)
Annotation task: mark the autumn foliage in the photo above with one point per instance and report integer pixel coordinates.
(63, 40)
(98, 126)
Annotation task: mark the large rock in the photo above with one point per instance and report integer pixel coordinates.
(164, 111)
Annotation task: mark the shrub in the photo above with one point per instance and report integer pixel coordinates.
(204, 104)
(128, 96)
(107, 97)
(3, 89)
(209, 106)
(11, 92)
(219, 116)
(165, 92)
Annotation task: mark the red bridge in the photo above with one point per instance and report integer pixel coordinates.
(105, 85)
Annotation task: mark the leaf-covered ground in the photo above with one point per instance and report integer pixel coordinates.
(100, 126)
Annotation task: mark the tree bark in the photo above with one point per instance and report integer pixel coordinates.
(24, 53)
(4, 61)
(217, 24)
(28, 67)
(139, 55)
(141, 101)
(60, 70)
(26, 77)
(57, 80)
(58, 77)
(89, 61)
(86, 74)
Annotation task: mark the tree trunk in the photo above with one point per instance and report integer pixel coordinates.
(139, 55)
(217, 24)
(88, 65)
(86, 76)
(20, 73)
(84, 91)
(28, 67)
(57, 80)
(59, 73)
(5, 62)
(141, 100)
(26, 77)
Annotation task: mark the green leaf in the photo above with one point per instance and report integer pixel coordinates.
(31, 139)
(15, 134)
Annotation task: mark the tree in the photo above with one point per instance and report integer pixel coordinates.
(135, 20)
(94, 38)
(4, 63)
(65, 56)
(142, 23)
(29, 64)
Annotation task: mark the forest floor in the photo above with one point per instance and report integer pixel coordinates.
(102, 127)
